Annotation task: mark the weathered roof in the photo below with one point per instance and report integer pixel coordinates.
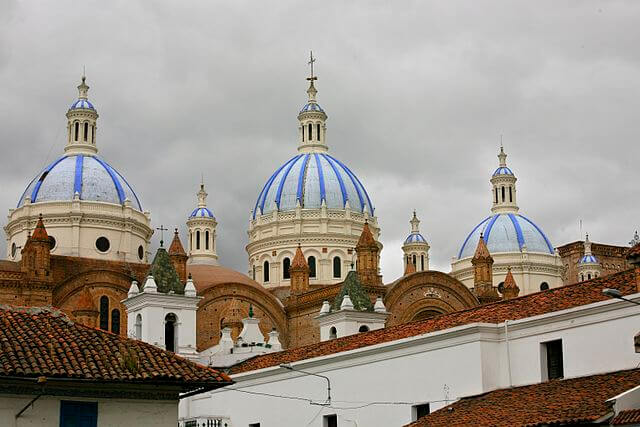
(556, 402)
(40, 233)
(176, 247)
(353, 287)
(482, 252)
(298, 260)
(631, 416)
(366, 237)
(165, 274)
(37, 342)
(513, 309)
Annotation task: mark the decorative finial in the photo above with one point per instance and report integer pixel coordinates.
(250, 310)
(83, 89)
(312, 77)
(635, 240)
(481, 235)
(162, 230)
(502, 156)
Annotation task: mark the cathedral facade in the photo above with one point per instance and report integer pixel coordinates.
(79, 240)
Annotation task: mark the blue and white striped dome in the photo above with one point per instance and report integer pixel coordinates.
(507, 233)
(415, 238)
(588, 259)
(312, 106)
(81, 103)
(88, 175)
(503, 170)
(201, 213)
(311, 178)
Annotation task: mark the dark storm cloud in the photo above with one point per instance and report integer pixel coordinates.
(417, 95)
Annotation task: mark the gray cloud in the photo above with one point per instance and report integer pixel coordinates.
(417, 95)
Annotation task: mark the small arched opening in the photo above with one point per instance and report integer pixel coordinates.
(115, 321)
(337, 267)
(170, 335)
(265, 272)
(139, 326)
(104, 313)
(363, 328)
(206, 240)
(311, 261)
(333, 333)
(286, 264)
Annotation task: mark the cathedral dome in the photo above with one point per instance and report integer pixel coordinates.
(82, 104)
(311, 179)
(502, 170)
(507, 232)
(588, 259)
(415, 238)
(201, 213)
(88, 175)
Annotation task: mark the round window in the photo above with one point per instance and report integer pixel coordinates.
(14, 249)
(52, 242)
(102, 244)
(140, 252)
(544, 286)
(501, 287)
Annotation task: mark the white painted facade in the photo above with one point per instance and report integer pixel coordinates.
(148, 313)
(111, 412)
(436, 367)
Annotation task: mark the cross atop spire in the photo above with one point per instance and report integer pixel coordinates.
(83, 88)
(162, 230)
(311, 78)
(502, 156)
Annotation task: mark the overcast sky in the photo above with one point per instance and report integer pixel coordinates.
(417, 93)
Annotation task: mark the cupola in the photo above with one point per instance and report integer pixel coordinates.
(415, 248)
(503, 183)
(312, 127)
(202, 232)
(81, 123)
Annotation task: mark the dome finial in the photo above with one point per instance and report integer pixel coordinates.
(83, 89)
(502, 156)
(312, 90)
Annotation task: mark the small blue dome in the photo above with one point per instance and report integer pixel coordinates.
(503, 170)
(82, 103)
(415, 238)
(312, 106)
(311, 178)
(506, 233)
(588, 259)
(201, 212)
(88, 175)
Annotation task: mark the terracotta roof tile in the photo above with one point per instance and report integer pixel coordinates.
(38, 342)
(366, 238)
(517, 308)
(176, 247)
(298, 260)
(40, 233)
(631, 416)
(557, 402)
(482, 252)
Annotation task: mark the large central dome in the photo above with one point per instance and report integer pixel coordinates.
(87, 175)
(310, 179)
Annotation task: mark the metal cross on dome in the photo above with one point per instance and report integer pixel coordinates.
(162, 230)
(311, 61)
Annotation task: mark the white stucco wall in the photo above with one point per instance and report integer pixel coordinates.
(456, 362)
(111, 412)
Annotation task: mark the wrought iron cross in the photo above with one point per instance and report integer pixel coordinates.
(311, 61)
(162, 230)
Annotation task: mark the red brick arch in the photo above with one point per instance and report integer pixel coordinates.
(215, 303)
(426, 291)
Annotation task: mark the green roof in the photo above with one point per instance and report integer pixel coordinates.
(358, 295)
(165, 274)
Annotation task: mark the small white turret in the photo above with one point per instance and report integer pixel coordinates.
(379, 307)
(274, 340)
(588, 266)
(133, 290)
(150, 286)
(346, 303)
(81, 124)
(190, 288)
(312, 128)
(415, 249)
(503, 183)
(202, 232)
(326, 307)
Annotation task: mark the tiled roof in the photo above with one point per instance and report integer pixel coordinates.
(557, 402)
(298, 260)
(165, 274)
(37, 342)
(482, 252)
(517, 308)
(631, 416)
(353, 287)
(40, 233)
(634, 251)
(176, 247)
(366, 238)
